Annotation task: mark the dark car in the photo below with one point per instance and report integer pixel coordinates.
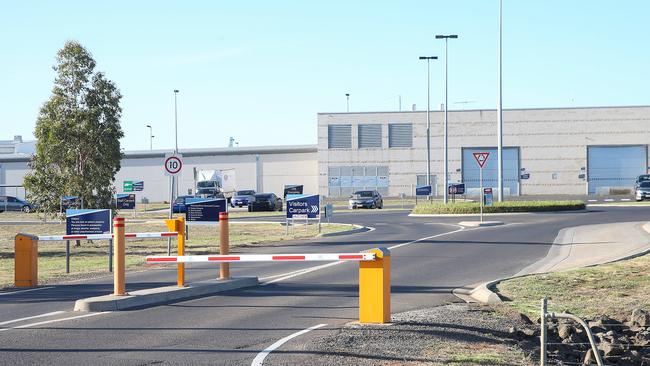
(10, 203)
(242, 198)
(266, 202)
(369, 199)
(642, 191)
(179, 204)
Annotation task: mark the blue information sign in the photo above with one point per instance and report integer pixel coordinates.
(125, 201)
(487, 197)
(83, 222)
(204, 209)
(423, 191)
(138, 185)
(303, 206)
(70, 202)
(457, 188)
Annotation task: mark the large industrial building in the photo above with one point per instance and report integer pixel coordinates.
(572, 151)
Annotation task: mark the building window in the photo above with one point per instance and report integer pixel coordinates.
(369, 136)
(339, 136)
(400, 135)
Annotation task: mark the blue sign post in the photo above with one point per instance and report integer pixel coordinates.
(84, 222)
(204, 209)
(125, 201)
(138, 185)
(302, 206)
(423, 191)
(70, 202)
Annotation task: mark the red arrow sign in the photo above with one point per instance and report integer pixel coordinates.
(481, 158)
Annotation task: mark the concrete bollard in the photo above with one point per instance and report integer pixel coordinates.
(26, 261)
(374, 288)
(119, 260)
(224, 244)
(178, 225)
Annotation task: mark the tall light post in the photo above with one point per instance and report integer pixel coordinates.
(150, 137)
(500, 118)
(445, 148)
(176, 119)
(428, 58)
(347, 101)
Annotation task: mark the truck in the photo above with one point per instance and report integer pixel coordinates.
(215, 183)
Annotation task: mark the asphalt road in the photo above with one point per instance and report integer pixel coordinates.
(434, 257)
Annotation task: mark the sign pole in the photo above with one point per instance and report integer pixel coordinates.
(481, 191)
(171, 211)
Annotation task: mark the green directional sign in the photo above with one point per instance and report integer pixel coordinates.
(128, 186)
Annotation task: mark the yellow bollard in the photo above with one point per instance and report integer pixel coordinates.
(119, 253)
(374, 288)
(26, 261)
(224, 244)
(178, 225)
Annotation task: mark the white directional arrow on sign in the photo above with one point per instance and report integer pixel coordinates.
(314, 209)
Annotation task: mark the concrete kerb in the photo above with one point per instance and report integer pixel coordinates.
(499, 213)
(483, 293)
(162, 295)
(357, 229)
(480, 223)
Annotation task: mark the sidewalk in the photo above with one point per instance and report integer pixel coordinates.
(589, 245)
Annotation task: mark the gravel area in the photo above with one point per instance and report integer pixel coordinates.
(455, 334)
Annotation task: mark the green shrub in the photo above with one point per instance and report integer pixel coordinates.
(498, 207)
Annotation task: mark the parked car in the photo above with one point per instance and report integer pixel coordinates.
(179, 204)
(642, 190)
(641, 178)
(10, 203)
(242, 198)
(369, 199)
(265, 202)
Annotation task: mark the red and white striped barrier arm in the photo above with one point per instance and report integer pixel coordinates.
(166, 234)
(262, 258)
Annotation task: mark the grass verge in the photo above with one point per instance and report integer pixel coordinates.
(498, 207)
(92, 257)
(612, 289)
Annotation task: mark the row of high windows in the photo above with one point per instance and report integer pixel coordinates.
(400, 135)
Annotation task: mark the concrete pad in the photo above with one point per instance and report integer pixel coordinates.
(162, 295)
(480, 223)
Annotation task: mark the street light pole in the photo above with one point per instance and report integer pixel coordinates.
(347, 101)
(446, 123)
(500, 117)
(150, 137)
(176, 119)
(428, 58)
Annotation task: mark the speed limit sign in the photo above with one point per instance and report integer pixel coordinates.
(173, 164)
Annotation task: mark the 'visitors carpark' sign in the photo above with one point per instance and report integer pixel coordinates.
(303, 206)
(84, 222)
(204, 209)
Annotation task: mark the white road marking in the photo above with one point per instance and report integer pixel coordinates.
(625, 199)
(608, 200)
(301, 272)
(592, 200)
(54, 321)
(259, 359)
(32, 317)
(21, 291)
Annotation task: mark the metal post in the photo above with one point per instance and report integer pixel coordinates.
(480, 192)
(446, 158)
(119, 288)
(67, 256)
(347, 99)
(224, 244)
(110, 255)
(171, 211)
(428, 127)
(542, 334)
(500, 117)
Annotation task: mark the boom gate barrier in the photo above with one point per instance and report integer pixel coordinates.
(374, 274)
(26, 250)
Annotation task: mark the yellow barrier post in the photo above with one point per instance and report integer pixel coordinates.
(26, 261)
(119, 253)
(224, 244)
(178, 225)
(374, 288)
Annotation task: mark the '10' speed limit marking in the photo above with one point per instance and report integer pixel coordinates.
(173, 164)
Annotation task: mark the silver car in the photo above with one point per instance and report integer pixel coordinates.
(368, 199)
(642, 191)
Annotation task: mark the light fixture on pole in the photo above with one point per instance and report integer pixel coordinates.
(347, 101)
(428, 58)
(446, 123)
(150, 137)
(500, 119)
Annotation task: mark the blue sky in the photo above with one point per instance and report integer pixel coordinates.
(260, 71)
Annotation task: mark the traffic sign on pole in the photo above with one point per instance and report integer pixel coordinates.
(173, 164)
(481, 158)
